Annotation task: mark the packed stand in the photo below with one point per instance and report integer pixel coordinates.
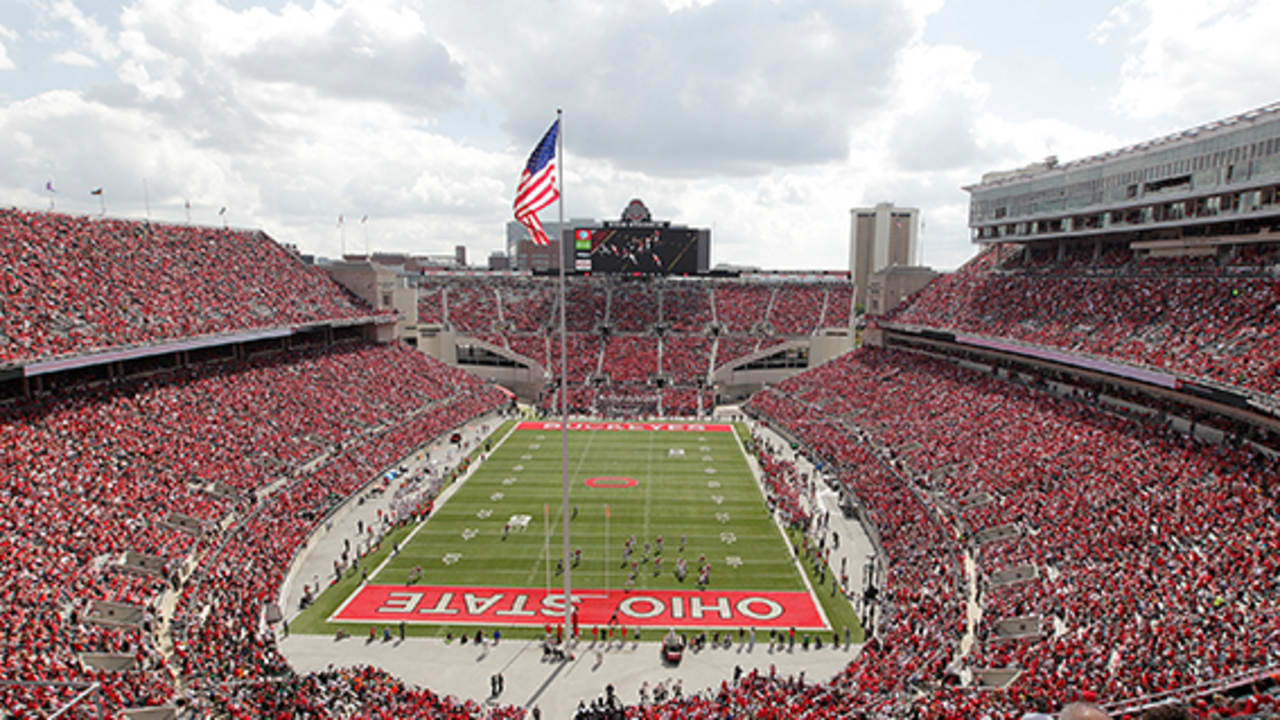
(685, 358)
(1201, 317)
(797, 308)
(93, 472)
(633, 307)
(471, 306)
(740, 307)
(630, 358)
(71, 285)
(686, 308)
(1157, 553)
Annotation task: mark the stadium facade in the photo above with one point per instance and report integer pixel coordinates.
(1212, 185)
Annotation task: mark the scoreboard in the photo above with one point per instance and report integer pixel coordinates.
(648, 248)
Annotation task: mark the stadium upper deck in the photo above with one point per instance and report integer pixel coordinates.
(74, 285)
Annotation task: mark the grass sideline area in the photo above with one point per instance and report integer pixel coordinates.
(696, 484)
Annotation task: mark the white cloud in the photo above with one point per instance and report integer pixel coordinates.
(5, 62)
(724, 88)
(74, 59)
(91, 36)
(1194, 60)
(765, 120)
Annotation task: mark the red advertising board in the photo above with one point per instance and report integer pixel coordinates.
(646, 427)
(448, 605)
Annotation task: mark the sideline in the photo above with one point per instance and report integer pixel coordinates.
(356, 502)
(440, 501)
(756, 472)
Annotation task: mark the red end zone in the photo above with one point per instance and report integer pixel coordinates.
(650, 427)
(437, 605)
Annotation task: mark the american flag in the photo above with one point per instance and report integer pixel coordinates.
(537, 187)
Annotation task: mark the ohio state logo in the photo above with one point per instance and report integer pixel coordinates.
(512, 606)
(636, 212)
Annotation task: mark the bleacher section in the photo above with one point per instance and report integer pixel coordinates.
(1155, 553)
(204, 476)
(644, 338)
(72, 285)
(1207, 319)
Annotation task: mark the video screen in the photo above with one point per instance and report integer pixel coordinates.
(632, 250)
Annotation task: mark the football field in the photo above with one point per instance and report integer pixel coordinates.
(491, 555)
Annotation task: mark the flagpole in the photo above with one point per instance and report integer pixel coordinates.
(146, 198)
(564, 381)
(546, 541)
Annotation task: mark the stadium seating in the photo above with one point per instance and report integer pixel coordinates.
(73, 285)
(527, 305)
(739, 307)
(1210, 319)
(471, 307)
(634, 307)
(1180, 569)
(93, 472)
(630, 358)
(686, 358)
(797, 309)
(686, 307)
(521, 313)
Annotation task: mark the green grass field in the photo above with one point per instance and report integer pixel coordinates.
(692, 484)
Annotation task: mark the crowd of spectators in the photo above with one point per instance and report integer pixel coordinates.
(647, 320)
(630, 358)
(357, 692)
(1156, 553)
(90, 473)
(471, 307)
(1209, 318)
(686, 307)
(633, 307)
(741, 307)
(686, 358)
(71, 284)
(797, 308)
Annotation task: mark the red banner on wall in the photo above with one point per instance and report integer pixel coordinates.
(648, 427)
(447, 605)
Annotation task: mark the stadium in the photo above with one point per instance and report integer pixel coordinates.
(239, 485)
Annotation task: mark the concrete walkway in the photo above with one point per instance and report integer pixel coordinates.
(555, 687)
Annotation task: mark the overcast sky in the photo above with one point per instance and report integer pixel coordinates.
(764, 120)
